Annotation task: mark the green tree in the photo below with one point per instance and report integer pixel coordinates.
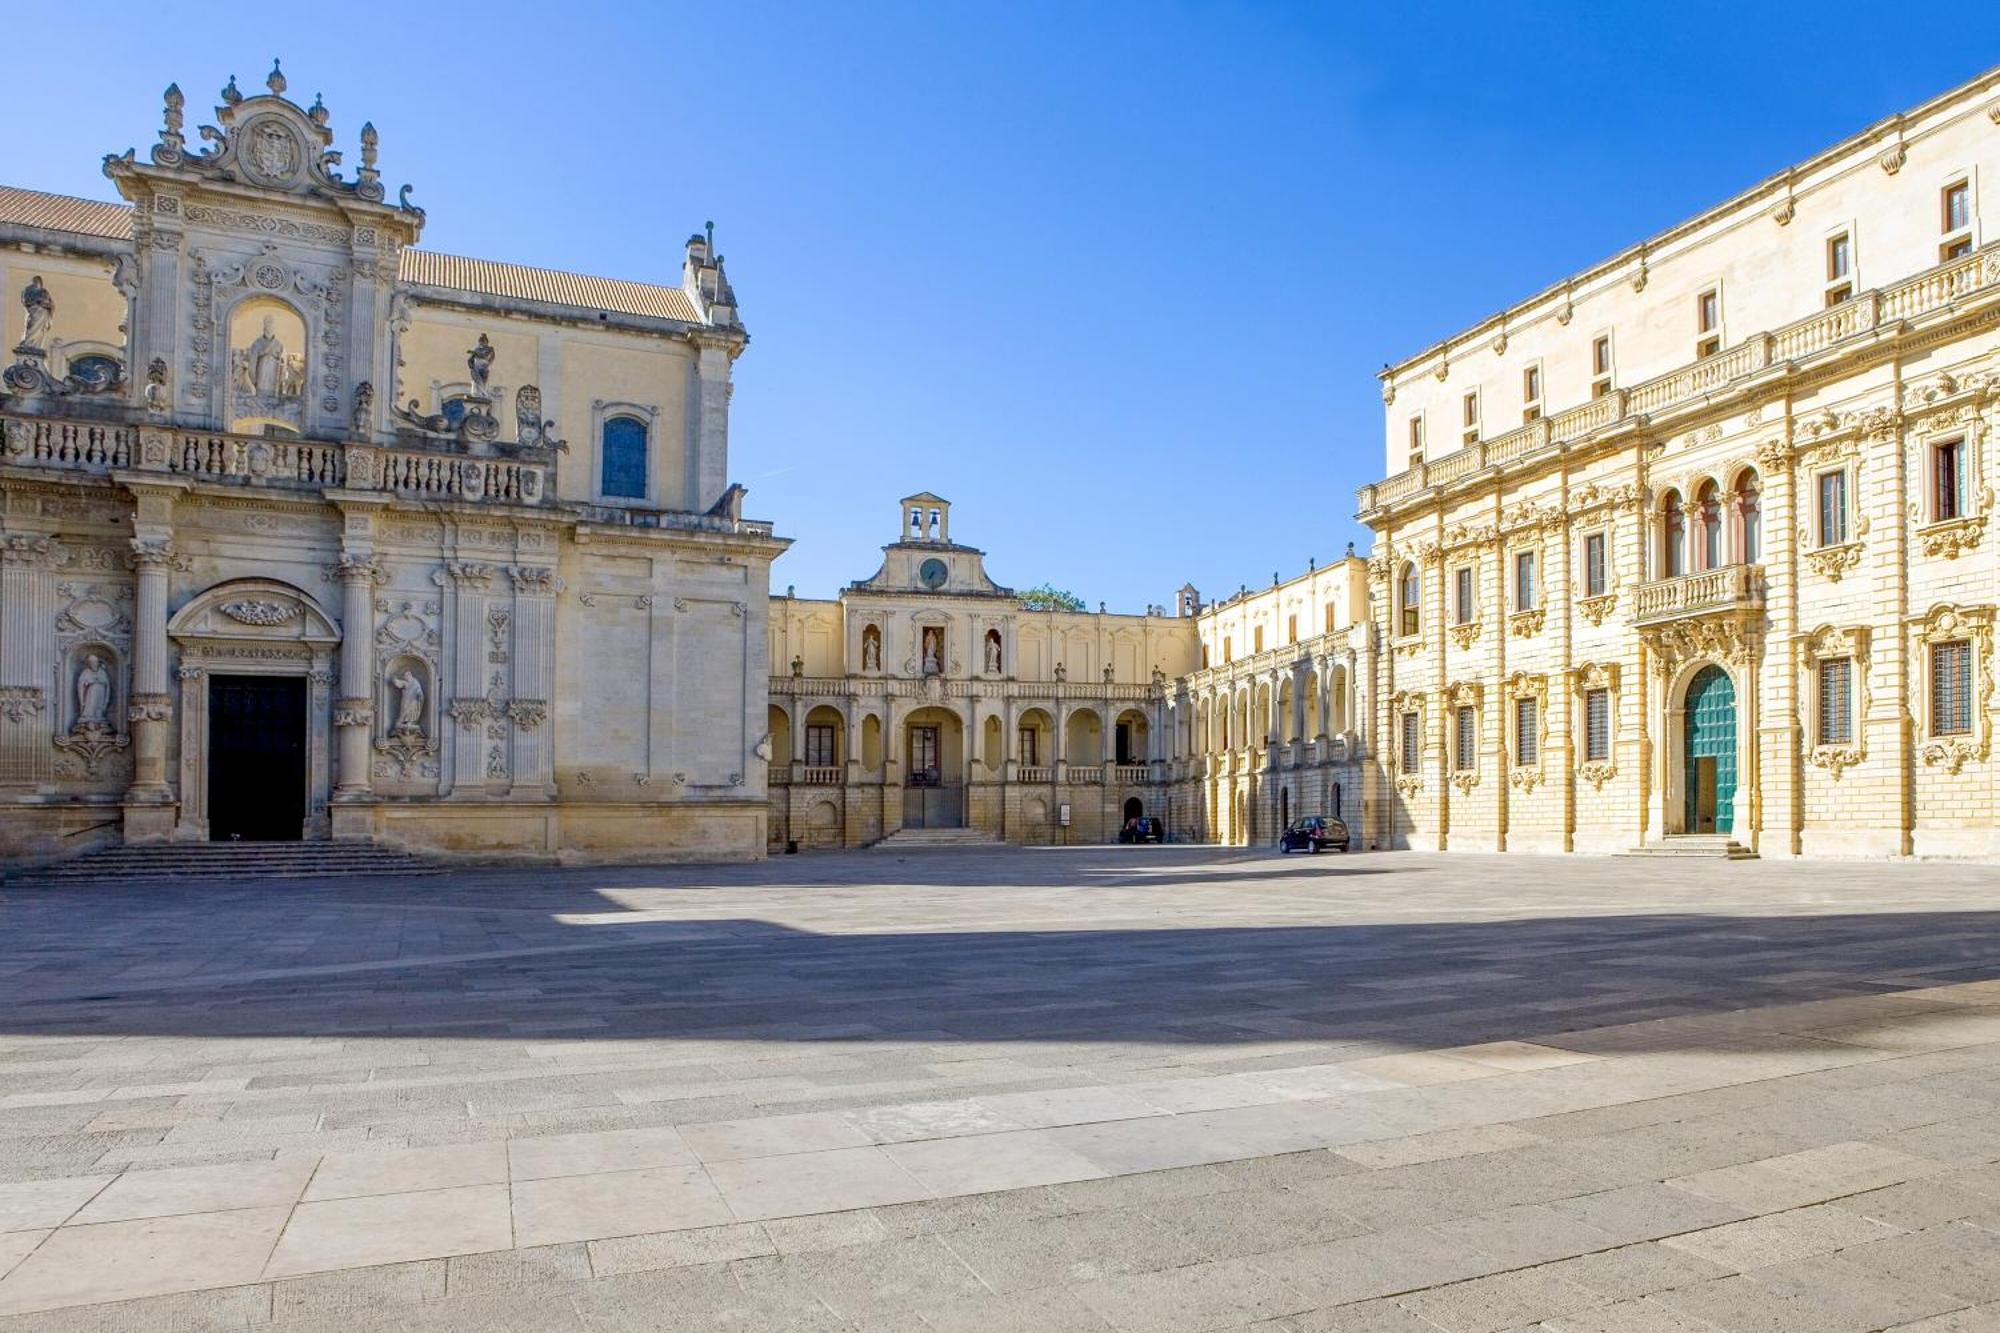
(1048, 597)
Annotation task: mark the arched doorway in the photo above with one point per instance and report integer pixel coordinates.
(1708, 771)
(1134, 807)
(934, 759)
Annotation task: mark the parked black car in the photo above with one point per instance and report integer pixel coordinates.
(1143, 829)
(1312, 833)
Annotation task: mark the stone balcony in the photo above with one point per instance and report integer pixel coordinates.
(1944, 291)
(1728, 588)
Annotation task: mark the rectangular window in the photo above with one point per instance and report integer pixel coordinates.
(1228, 653)
(1708, 324)
(1329, 618)
(1531, 393)
(1031, 750)
(1525, 583)
(1832, 508)
(1839, 257)
(1836, 715)
(1412, 743)
(1465, 753)
(1527, 733)
(1417, 435)
(1951, 688)
(1471, 431)
(1947, 480)
(1956, 208)
(1600, 366)
(1257, 639)
(821, 751)
(1291, 629)
(1596, 576)
(1597, 726)
(1461, 596)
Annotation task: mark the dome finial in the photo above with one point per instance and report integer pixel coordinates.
(276, 81)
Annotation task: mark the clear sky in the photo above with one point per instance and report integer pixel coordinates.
(1113, 278)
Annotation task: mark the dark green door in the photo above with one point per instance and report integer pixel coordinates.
(1708, 778)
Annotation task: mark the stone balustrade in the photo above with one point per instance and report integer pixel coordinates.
(81, 445)
(1726, 588)
(1933, 290)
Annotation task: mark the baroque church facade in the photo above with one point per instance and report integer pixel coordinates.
(306, 532)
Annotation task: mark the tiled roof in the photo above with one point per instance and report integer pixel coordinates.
(89, 217)
(62, 212)
(548, 285)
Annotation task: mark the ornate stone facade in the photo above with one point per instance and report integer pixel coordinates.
(1737, 524)
(506, 605)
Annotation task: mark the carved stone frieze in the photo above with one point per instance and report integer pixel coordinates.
(18, 703)
(1597, 772)
(150, 708)
(1466, 634)
(1526, 624)
(528, 713)
(1953, 538)
(255, 611)
(1731, 639)
(1597, 609)
(1833, 562)
(92, 743)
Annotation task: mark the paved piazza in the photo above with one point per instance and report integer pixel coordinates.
(1105, 1088)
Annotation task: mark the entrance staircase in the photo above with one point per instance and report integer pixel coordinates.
(227, 861)
(1697, 846)
(905, 839)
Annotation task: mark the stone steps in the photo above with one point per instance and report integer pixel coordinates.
(228, 860)
(903, 839)
(1701, 846)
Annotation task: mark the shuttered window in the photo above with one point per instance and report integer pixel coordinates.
(821, 749)
(1594, 572)
(1836, 711)
(1524, 581)
(1597, 726)
(1462, 595)
(1832, 508)
(1412, 756)
(1951, 688)
(1527, 732)
(1466, 753)
(1948, 481)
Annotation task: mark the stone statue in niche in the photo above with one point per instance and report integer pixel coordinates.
(41, 316)
(409, 703)
(871, 649)
(156, 386)
(933, 650)
(992, 653)
(93, 694)
(479, 362)
(266, 361)
(1062, 672)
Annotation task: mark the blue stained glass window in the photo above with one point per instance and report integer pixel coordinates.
(454, 412)
(625, 458)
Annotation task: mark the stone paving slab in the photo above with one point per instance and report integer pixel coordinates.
(1097, 1088)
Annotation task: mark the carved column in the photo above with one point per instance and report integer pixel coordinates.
(151, 706)
(469, 709)
(354, 709)
(534, 681)
(27, 645)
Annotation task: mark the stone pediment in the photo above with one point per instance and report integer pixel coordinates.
(262, 609)
(268, 143)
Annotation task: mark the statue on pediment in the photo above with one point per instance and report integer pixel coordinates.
(479, 362)
(41, 308)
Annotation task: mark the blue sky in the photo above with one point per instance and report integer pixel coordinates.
(1113, 278)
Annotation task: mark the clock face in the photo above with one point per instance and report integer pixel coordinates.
(932, 573)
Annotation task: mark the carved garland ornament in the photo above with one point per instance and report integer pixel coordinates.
(1596, 609)
(253, 611)
(1465, 635)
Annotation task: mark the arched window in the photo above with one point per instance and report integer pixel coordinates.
(625, 458)
(1673, 536)
(1708, 515)
(1749, 519)
(1410, 601)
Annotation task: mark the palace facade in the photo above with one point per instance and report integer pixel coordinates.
(1696, 541)
(308, 533)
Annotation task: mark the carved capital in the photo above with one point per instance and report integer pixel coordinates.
(150, 708)
(528, 713)
(469, 574)
(18, 703)
(535, 580)
(353, 713)
(1832, 562)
